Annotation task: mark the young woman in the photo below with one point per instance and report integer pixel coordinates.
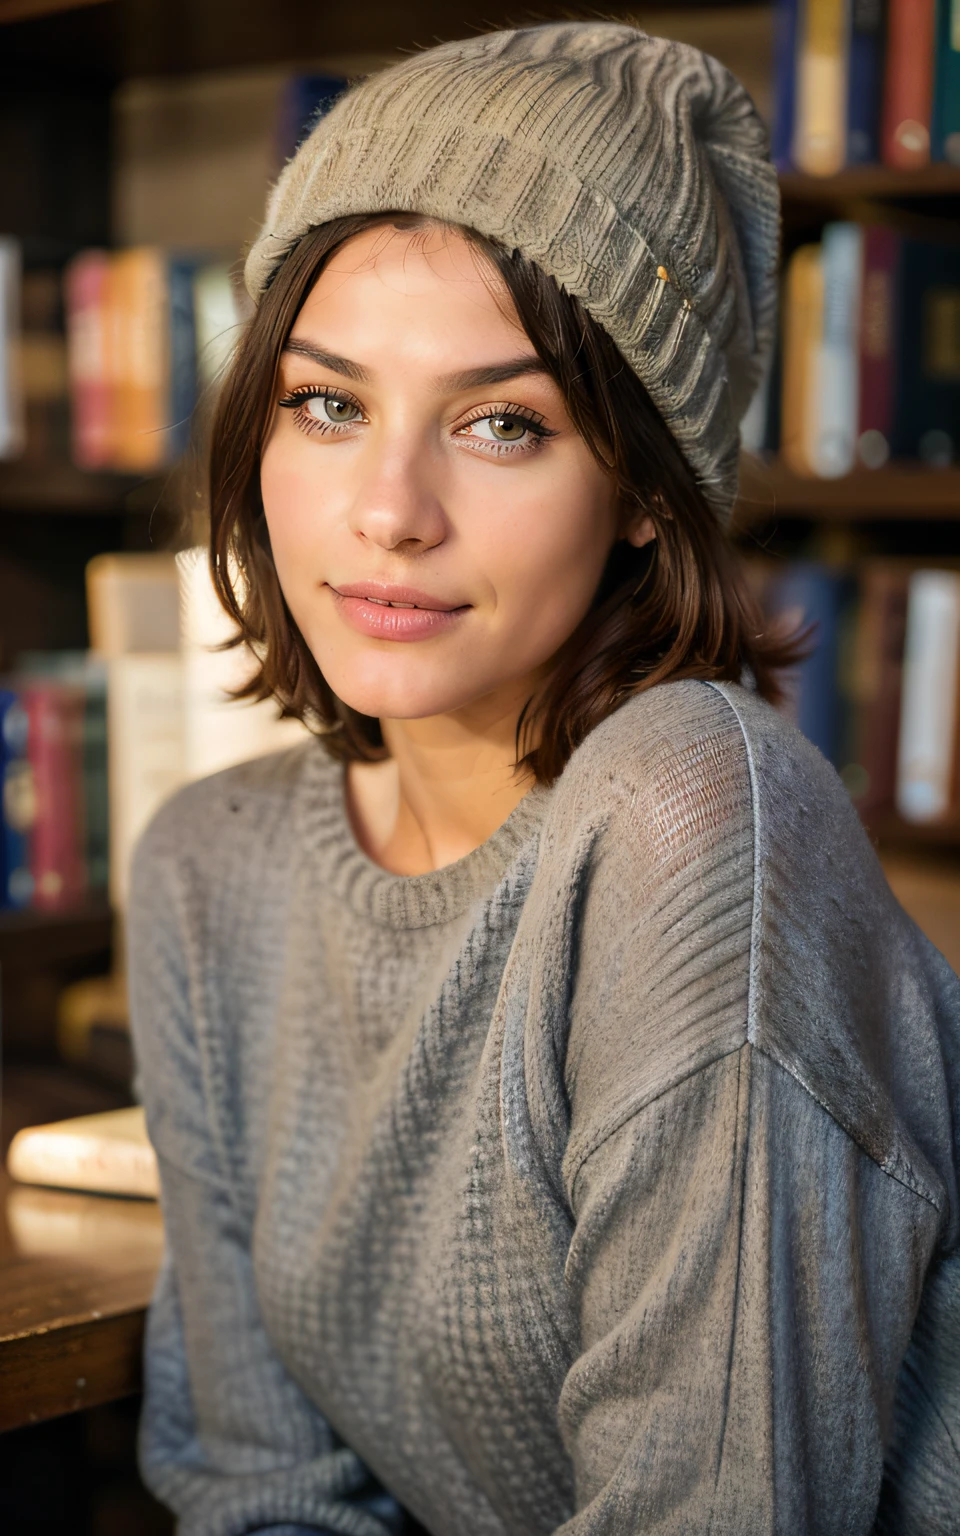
(557, 1116)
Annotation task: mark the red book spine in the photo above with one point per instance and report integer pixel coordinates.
(908, 83)
(54, 746)
(86, 319)
(878, 339)
(883, 620)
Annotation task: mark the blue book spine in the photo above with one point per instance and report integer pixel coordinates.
(785, 37)
(926, 422)
(17, 803)
(183, 352)
(865, 81)
(945, 138)
(816, 597)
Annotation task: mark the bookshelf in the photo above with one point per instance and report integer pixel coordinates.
(62, 63)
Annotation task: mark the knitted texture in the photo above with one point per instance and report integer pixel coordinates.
(632, 169)
(590, 1185)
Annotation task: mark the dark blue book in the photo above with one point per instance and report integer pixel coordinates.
(785, 41)
(17, 803)
(819, 598)
(305, 99)
(183, 350)
(945, 135)
(926, 421)
(865, 81)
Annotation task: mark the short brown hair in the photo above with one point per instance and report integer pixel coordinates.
(677, 608)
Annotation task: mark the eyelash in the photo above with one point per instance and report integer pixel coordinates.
(311, 425)
(296, 401)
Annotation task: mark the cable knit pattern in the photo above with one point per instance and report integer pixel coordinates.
(602, 1183)
(632, 169)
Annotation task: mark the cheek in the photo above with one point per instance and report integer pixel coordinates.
(545, 553)
(294, 511)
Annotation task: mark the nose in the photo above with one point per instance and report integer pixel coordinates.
(396, 506)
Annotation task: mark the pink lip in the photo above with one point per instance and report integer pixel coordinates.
(363, 605)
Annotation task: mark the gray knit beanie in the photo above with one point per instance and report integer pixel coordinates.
(631, 169)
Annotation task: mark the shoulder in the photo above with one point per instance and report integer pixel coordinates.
(731, 880)
(694, 762)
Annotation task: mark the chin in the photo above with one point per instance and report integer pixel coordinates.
(404, 693)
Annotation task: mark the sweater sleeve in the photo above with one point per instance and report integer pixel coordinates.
(747, 1263)
(745, 1280)
(227, 1440)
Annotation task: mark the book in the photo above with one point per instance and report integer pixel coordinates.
(133, 603)
(820, 131)
(17, 803)
(927, 755)
(139, 365)
(85, 299)
(880, 638)
(182, 353)
(837, 363)
(218, 729)
(864, 80)
(802, 332)
(84, 671)
(946, 84)
(145, 745)
(109, 1153)
(908, 83)
(54, 748)
(152, 347)
(810, 595)
(12, 426)
(786, 20)
(927, 370)
(878, 333)
(217, 312)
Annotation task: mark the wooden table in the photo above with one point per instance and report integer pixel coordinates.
(76, 1274)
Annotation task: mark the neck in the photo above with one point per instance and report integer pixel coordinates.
(448, 784)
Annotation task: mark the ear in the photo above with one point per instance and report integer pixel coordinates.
(640, 529)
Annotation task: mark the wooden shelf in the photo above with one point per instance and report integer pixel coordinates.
(768, 489)
(26, 487)
(861, 181)
(29, 938)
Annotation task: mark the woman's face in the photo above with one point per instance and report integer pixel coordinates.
(439, 527)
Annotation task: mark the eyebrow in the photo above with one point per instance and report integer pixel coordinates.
(324, 359)
(453, 383)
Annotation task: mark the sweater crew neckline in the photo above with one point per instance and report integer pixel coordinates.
(404, 901)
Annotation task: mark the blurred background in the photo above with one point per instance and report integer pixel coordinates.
(137, 141)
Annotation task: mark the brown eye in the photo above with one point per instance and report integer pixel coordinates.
(327, 408)
(507, 429)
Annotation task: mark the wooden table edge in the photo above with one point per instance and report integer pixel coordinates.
(70, 1366)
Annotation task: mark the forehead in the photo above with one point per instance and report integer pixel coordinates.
(390, 285)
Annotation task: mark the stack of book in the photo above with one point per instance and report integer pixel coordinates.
(857, 81)
(879, 691)
(91, 743)
(869, 365)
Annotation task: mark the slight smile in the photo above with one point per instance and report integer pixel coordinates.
(385, 612)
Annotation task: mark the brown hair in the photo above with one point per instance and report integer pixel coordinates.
(677, 608)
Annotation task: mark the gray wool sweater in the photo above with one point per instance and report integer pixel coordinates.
(604, 1182)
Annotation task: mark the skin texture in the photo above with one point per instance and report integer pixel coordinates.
(410, 473)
